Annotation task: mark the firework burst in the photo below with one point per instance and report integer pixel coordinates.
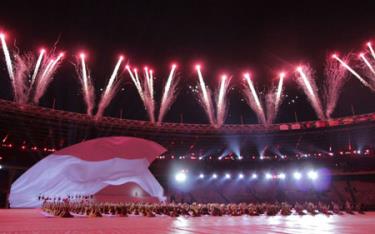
(336, 76)
(205, 97)
(253, 99)
(221, 101)
(274, 99)
(110, 90)
(86, 83)
(169, 94)
(305, 78)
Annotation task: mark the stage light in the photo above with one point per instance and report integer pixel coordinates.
(227, 176)
(254, 176)
(180, 177)
(313, 175)
(268, 176)
(297, 175)
(1, 167)
(281, 176)
(240, 176)
(201, 176)
(214, 176)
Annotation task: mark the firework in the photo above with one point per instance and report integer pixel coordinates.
(87, 88)
(22, 67)
(135, 79)
(306, 81)
(336, 75)
(17, 90)
(149, 101)
(364, 59)
(368, 66)
(364, 82)
(37, 67)
(205, 97)
(253, 99)
(110, 90)
(169, 94)
(46, 77)
(221, 101)
(145, 90)
(8, 60)
(369, 45)
(274, 98)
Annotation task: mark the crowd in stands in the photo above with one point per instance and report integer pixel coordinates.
(89, 208)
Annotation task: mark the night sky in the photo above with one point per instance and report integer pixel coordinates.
(262, 36)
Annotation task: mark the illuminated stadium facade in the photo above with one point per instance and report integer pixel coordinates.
(238, 153)
(55, 128)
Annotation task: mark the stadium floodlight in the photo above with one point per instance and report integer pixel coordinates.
(297, 175)
(214, 176)
(254, 176)
(201, 176)
(313, 175)
(240, 176)
(268, 176)
(181, 177)
(227, 176)
(281, 176)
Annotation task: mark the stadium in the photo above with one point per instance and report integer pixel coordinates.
(189, 149)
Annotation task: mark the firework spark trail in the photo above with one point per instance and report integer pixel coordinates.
(135, 79)
(369, 69)
(47, 76)
(145, 90)
(369, 45)
(253, 99)
(205, 97)
(22, 67)
(110, 90)
(9, 65)
(150, 81)
(279, 89)
(274, 98)
(169, 94)
(8, 60)
(308, 85)
(88, 90)
(221, 101)
(335, 77)
(364, 82)
(363, 57)
(149, 101)
(37, 67)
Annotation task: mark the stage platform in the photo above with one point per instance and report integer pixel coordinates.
(31, 221)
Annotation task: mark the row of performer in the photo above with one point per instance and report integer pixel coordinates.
(68, 208)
